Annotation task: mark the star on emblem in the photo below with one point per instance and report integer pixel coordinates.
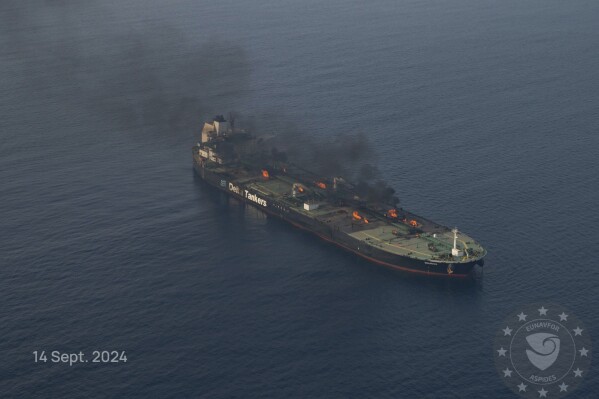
(507, 331)
(521, 387)
(542, 311)
(563, 317)
(501, 351)
(563, 387)
(578, 331)
(583, 352)
(577, 372)
(521, 316)
(543, 393)
(507, 372)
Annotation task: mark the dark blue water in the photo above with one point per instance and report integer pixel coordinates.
(484, 115)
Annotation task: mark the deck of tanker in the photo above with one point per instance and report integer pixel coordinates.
(277, 188)
(413, 246)
(378, 233)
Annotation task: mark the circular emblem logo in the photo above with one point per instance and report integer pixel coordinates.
(542, 351)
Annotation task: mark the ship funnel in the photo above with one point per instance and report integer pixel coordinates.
(221, 126)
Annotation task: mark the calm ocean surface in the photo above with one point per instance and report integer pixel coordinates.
(484, 115)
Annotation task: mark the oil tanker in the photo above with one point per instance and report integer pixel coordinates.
(236, 163)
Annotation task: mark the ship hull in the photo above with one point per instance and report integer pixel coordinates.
(342, 240)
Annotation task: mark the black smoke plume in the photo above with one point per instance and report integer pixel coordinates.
(148, 77)
(153, 79)
(349, 156)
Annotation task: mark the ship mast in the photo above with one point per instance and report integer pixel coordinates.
(455, 251)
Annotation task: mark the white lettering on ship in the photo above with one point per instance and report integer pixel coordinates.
(248, 195)
(234, 188)
(254, 198)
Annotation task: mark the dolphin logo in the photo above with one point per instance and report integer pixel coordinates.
(545, 349)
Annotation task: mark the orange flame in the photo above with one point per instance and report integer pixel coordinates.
(413, 223)
(357, 216)
(321, 185)
(265, 174)
(300, 189)
(392, 213)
